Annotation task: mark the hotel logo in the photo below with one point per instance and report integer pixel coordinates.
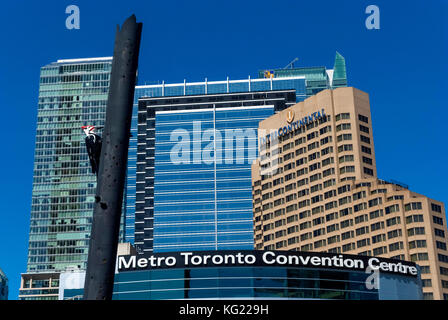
(290, 116)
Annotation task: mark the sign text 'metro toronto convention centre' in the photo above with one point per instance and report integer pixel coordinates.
(264, 258)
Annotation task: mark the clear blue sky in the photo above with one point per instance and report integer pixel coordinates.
(402, 66)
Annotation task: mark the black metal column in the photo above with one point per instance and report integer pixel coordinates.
(112, 170)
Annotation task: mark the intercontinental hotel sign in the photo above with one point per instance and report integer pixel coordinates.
(260, 258)
(293, 125)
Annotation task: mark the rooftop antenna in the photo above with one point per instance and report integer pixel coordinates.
(291, 64)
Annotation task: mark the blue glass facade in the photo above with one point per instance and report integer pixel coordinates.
(138, 225)
(259, 283)
(202, 201)
(72, 93)
(297, 83)
(146, 138)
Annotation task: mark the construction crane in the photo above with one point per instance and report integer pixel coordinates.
(291, 64)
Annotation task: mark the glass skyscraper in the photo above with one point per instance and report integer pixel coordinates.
(202, 197)
(72, 93)
(202, 190)
(135, 218)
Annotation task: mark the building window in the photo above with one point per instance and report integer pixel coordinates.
(396, 246)
(363, 118)
(318, 221)
(359, 195)
(375, 202)
(326, 151)
(366, 150)
(361, 218)
(345, 212)
(425, 270)
(343, 126)
(368, 171)
(413, 206)
(333, 239)
(376, 214)
(363, 243)
(346, 223)
(364, 128)
(320, 243)
(344, 200)
(305, 225)
(365, 139)
(312, 135)
(360, 206)
(316, 199)
(394, 234)
(378, 238)
(325, 140)
(416, 231)
(347, 169)
(307, 247)
(328, 172)
(345, 147)
(304, 214)
(333, 227)
(325, 130)
(362, 230)
(392, 221)
(417, 244)
(377, 226)
(292, 240)
(329, 183)
(331, 216)
(426, 283)
(342, 116)
(328, 161)
(344, 137)
(346, 158)
(304, 203)
(343, 189)
(379, 251)
(367, 160)
(437, 220)
(441, 245)
(436, 208)
(421, 256)
(313, 145)
(414, 218)
(428, 296)
(347, 235)
(393, 208)
(439, 233)
(348, 247)
(444, 271)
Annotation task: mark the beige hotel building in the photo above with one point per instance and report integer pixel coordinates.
(315, 188)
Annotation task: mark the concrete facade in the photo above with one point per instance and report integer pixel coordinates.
(315, 188)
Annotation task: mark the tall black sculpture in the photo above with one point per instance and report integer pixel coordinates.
(113, 160)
